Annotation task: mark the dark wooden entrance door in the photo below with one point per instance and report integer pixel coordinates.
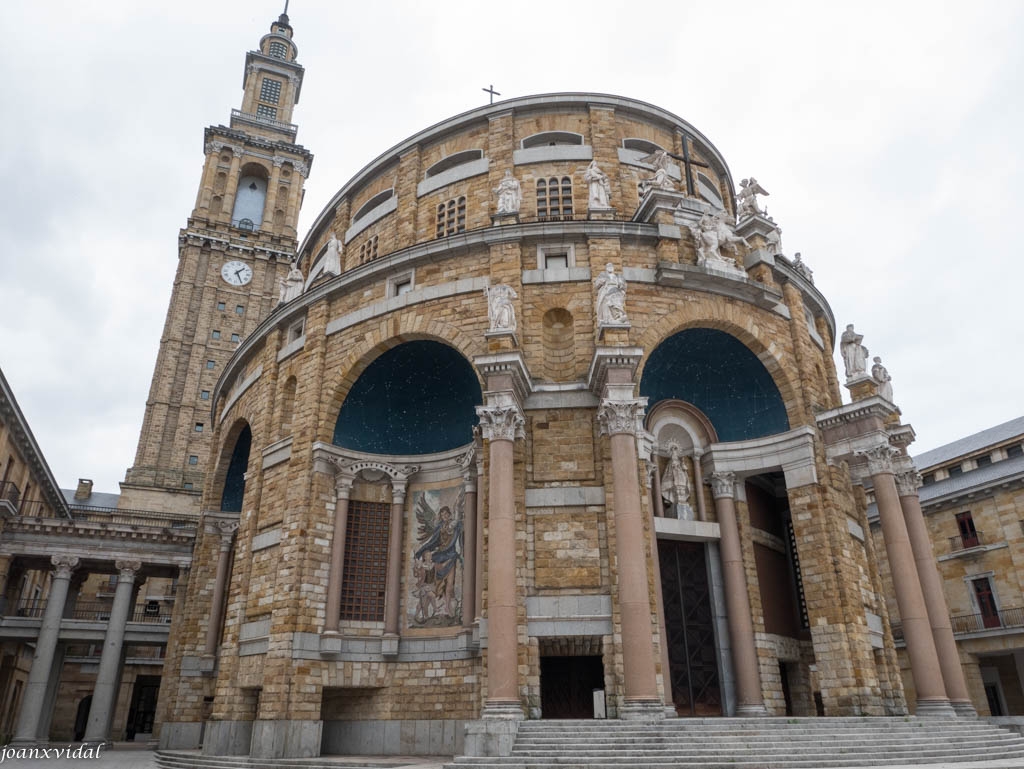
(567, 686)
(689, 628)
(143, 707)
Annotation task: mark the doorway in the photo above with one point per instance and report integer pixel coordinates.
(143, 707)
(567, 686)
(689, 629)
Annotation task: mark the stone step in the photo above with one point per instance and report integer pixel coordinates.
(1004, 740)
(189, 760)
(555, 737)
(1008, 762)
(573, 756)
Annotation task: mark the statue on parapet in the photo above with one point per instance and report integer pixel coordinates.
(599, 186)
(802, 268)
(611, 297)
(675, 484)
(855, 355)
(291, 286)
(881, 375)
(746, 198)
(711, 236)
(510, 194)
(661, 179)
(332, 259)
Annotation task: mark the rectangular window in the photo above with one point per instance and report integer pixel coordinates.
(236, 338)
(451, 217)
(193, 459)
(984, 461)
(278, 50)
(210, 364)
(270, 91)
(264, 111)
(403, 287)
(204, 395)
(554, 198)
(928, 479)
(220, 305)
(199, 427)
(1014, 451)
(215, 334)
(968, 534)
(986, 602)
(187, 485)
(955, 471)
(239, 309)
(365, 570)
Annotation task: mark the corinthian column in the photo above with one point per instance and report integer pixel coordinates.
(392, 594)
(226, 530)
(109, 673)
(907, 484)
(46, 645)
(924, 661)
(749, 699)
(342, 490)
(620, 419)
(468, 463)
(501, 424)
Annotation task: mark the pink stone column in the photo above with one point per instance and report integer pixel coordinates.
(907, 483)
(750, 700)
(620, 419)
(501, 424)
(698, 485)
(924, 661)
(226, 530)
(333, 616)
(666, 671)
(656, 500)
(469, 534)
(478, 595)
(392, 597)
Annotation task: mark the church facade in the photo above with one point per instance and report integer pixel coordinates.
(539, 421)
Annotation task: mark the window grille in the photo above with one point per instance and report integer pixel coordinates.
(368, 251)
(366, 556)
(279, 50)
(270, 90)
(554, 198)
(262, 110)
(451, 217)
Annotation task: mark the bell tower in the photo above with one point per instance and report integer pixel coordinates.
(237, 244)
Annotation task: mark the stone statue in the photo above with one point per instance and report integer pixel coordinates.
(746, 198)
(713, 234)
(510, 195)
(500, 311)
(881, 375)
(855, 355)
(661, 180)
(332, 259)
(803, 269)
(675, 484)
(599, 185)
(773, 241)
(611, 297)
(291, 286)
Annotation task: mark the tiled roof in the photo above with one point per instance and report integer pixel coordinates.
(96, 499)
(970, 444)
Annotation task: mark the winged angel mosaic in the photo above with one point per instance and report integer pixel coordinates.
(436, 585)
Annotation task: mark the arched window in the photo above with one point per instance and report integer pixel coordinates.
(252, 192)
(234, 481)
(456, 159)
(551, 139)
(554, 198)
(451, 216)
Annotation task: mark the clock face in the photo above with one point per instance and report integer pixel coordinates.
(236, 273)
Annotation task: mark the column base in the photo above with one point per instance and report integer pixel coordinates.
(751, 711)
(964, 708)
(507, 711)
(389, 646)
(670, 711)
(934, 709)
(492, 736)
(642, 710)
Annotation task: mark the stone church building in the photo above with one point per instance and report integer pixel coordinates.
(539, 420)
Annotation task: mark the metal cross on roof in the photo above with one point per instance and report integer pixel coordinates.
(490, 89)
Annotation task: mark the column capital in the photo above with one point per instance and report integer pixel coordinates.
(881, 458)
(501, 422)
(63, 565)
(908, 482)
(237, 151)
(279, 161)
(227, 530)
(398, 488)
(621, 416)
(468, 464)
(127, 569)
(723, 484)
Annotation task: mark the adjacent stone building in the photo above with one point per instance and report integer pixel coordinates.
(973, 505)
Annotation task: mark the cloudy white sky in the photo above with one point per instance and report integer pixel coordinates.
(888, 134)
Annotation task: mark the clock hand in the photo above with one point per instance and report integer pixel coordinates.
(238, 271)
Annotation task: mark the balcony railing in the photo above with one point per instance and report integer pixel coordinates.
(10, 493)
(976, 623)
(93, 611)
(966, 541)
(248, 117)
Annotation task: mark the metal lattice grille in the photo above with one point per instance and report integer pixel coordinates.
(689, 629)
(797, 575)
(554, 198)
(366, 558)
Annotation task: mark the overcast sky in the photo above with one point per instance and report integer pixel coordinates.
(888, 134)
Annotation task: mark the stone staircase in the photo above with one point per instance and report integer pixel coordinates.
(174, 759)
(764, 743)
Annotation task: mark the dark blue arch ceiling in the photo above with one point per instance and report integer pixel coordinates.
(719, 375)
(417, 398)
(234, 481)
